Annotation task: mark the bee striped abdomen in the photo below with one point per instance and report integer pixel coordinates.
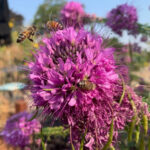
(28, 33)
(21, 37)
(54, 25)
(86, 85)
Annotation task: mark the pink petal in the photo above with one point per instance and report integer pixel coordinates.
(72, 101)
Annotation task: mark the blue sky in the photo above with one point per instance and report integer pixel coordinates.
(100, 7)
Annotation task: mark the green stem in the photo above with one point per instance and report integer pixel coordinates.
(123, 92)
(72, 146)
(107, 145)
(82, 141)
(35, 115)
(42, 140)
(111, 148)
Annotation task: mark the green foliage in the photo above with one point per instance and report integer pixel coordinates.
(49, 10)
(139, 60)
(113, 42)
(144, 29)
(139, 139)
(82, 141)
(55, 131)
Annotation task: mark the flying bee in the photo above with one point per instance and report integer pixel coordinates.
(54, 26)
(86, 85)
(27, 34)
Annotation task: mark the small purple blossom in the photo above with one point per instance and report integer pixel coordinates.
(124, 17)
(18, 129)
(72, 14)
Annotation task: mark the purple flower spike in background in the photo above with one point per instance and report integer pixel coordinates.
(72, 14)
(18, 129)
(124, 17)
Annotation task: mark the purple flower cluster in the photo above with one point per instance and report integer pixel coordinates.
(18, 129)
(72, 14)
(124, 17)
(75, 79)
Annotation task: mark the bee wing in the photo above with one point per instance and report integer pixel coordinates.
(41, 29)
(21, 29)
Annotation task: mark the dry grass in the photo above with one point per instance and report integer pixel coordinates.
(5, 110)
(11, 56)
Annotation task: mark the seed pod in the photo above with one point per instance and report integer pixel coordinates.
(137, 134)
(132, 124)
(145, 124)
(131, 128)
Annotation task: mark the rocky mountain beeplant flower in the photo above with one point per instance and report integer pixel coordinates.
(76, 80)
(124, 17)
(18, 129)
